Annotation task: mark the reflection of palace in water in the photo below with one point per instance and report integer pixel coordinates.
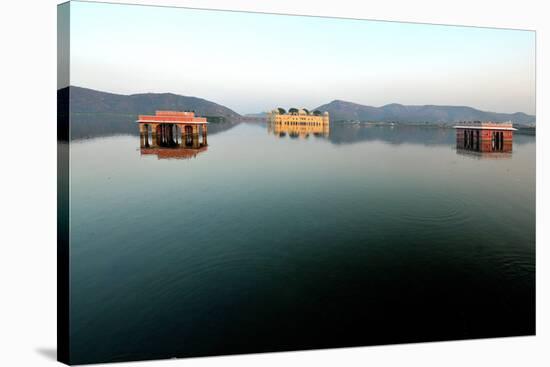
(485, 138)
(298, 123)
(172, 134)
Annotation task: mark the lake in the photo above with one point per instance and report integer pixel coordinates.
(261, 242)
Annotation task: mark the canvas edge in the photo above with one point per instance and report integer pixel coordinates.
(63, 140)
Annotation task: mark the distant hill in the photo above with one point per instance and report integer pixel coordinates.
(84, 100)
(96, 113)
(258, 115)
(255, 117)
(348, 111)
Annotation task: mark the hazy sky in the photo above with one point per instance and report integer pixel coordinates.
(255, 62)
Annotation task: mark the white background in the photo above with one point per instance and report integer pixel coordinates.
(28, 184)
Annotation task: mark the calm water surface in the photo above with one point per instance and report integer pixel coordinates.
(373, 235)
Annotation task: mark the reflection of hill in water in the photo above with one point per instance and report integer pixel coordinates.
(349, 133)
(340, 133)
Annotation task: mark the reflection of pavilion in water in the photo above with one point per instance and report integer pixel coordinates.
(484, 155)
(171, 134)
(173, 153)
(485, 138)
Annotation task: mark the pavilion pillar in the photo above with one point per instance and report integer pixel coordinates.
(183, 135)
(154, 135)
(196, 143)
(147, 127)
(204, 134)
(143, 135)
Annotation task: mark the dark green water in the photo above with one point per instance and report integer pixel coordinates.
(374, 235)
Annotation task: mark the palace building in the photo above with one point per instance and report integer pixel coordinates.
(298, 123)
(485, 137)
(295, 117)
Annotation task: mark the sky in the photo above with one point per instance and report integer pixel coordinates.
(254, 62)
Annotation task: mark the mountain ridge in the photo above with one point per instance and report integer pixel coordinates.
(341, 110)
(93, 110)
(87, 100)
(96, 113)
